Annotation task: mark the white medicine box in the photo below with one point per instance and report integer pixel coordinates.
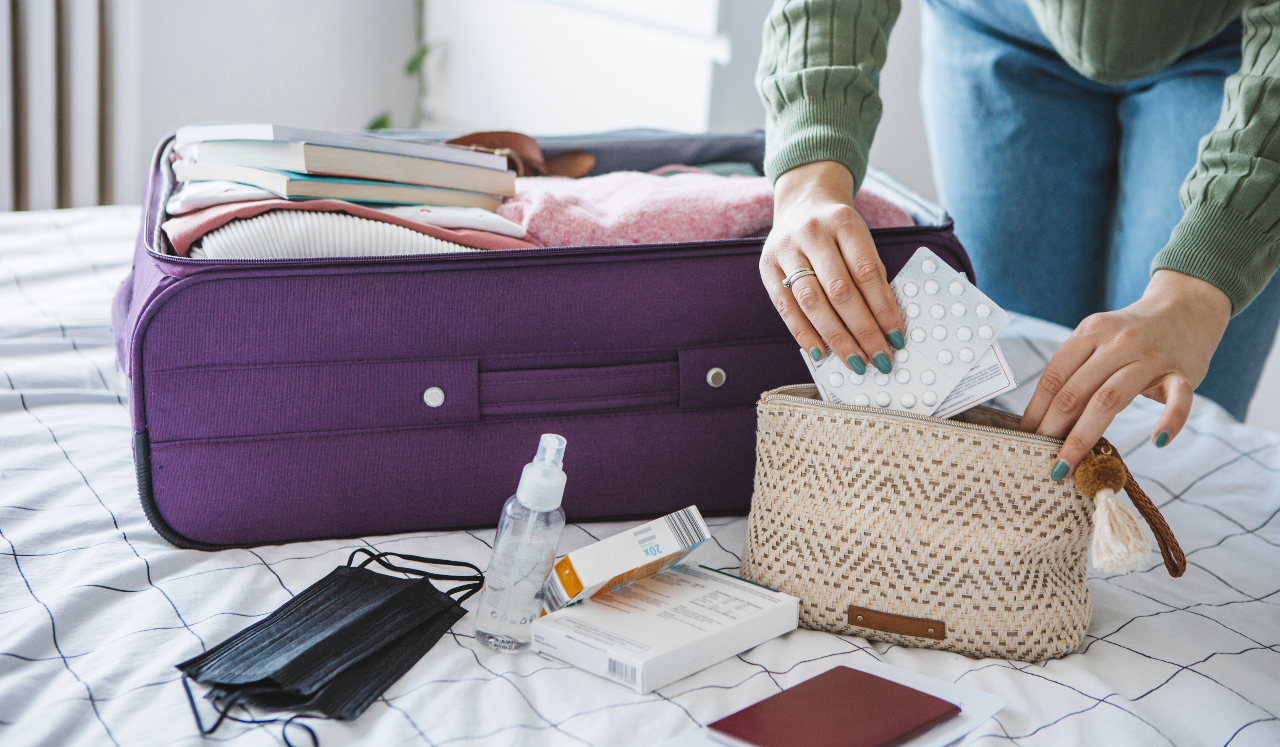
(666, 627)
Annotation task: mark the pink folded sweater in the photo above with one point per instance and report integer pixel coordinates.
(630, 207)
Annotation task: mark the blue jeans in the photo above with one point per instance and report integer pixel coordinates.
(1064, 189)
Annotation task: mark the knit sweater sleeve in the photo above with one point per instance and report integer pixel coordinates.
(1230, 233)
(818, 77)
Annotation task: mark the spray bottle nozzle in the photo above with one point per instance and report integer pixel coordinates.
(542, 482)
(550, 450)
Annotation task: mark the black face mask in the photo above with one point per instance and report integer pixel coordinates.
(336, 647)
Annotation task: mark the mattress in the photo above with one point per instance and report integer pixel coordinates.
(95, 608)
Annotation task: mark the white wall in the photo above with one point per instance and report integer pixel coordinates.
(332, 64)
(551, 67)
(899, 146)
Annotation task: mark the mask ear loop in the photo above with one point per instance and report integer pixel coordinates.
(474, 582)
(224, 714)
(471, 588)
(380, 559)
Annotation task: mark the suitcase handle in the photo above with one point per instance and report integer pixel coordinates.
(569, 390)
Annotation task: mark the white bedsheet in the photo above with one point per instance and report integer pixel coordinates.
(95, 608)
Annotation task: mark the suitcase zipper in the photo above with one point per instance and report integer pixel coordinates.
(805, 401)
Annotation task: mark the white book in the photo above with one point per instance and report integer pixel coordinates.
(247, 131)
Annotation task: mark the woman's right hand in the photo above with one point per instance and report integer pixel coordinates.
(848, 304)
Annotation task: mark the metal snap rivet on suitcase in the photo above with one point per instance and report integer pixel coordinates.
(715, 377)
(434, 397)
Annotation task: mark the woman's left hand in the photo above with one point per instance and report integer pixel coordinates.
(1158, 347)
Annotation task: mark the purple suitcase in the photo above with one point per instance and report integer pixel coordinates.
(282, 400)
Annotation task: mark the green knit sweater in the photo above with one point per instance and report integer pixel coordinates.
(820, 70)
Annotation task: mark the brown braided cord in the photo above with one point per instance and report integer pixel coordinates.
(1174, 560)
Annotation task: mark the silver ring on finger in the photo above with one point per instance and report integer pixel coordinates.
(793, 277)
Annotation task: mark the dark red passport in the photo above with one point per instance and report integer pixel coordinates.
(839, 708)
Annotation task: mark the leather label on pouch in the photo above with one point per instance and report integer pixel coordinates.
(919, 627)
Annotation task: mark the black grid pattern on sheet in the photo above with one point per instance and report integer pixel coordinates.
(95, 609)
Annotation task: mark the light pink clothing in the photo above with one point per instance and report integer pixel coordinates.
(630, 207)
(185, 230)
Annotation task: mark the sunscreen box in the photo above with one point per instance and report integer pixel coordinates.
(666, 627)
(623, 558)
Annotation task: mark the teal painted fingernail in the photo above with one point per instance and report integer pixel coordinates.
(897, 340)
(1162, 438)
(1059, 470)
(882, 362)
(856, 364)
(815, 354)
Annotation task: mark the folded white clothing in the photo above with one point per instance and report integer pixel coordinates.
(193, 196)
(457, 217)
(296, 234)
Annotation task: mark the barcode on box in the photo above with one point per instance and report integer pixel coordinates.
(685, 527)
(622, 672)
(552, 594)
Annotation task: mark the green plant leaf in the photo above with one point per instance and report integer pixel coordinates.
(380, 122)
(414, 66)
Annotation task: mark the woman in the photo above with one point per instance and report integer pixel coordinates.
(1062, 132)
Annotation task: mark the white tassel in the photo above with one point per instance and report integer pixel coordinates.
(1119, 543)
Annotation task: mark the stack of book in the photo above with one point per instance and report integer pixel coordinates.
(313, 164)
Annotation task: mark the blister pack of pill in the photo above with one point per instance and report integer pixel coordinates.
(951, 326)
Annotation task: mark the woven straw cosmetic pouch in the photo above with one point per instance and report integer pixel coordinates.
(925, 532)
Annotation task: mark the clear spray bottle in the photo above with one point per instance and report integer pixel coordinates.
(523, 552)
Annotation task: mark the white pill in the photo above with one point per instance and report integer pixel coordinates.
(966, 355)
(856, 379)
(917, 334)
(936, 311)
(908, 400)
(945, 357)
(902, 376)
(913, 310)
(956, 288)
(927, 377)
(882, 379)
(910, 290)
(983, 310)
(931, 287)
(939, 332)
(965, 334)
(958, 309)
(862, 400)
(883, 399)
(929, 266)
(901, 356)
(836, 379)
(929, 399)
(985, 331)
